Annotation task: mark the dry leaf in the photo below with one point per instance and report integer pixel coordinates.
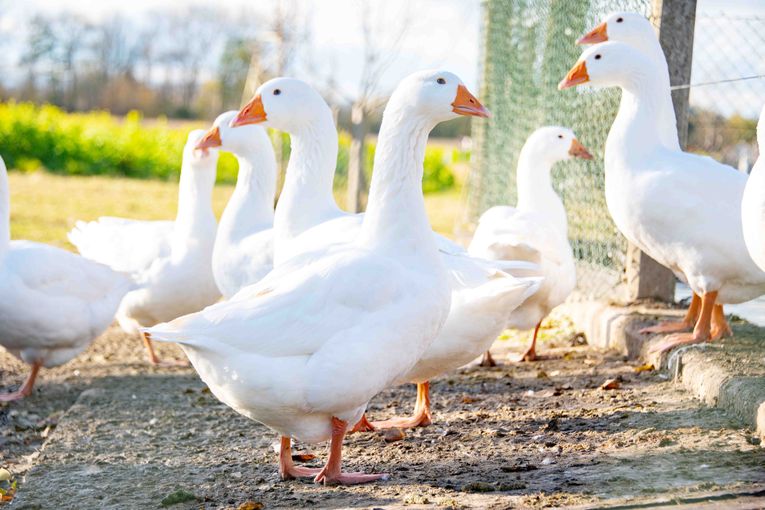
(611, 384)
(303, 457)
(250, 505)
(644, 368)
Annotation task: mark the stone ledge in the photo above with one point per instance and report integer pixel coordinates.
(728, 374)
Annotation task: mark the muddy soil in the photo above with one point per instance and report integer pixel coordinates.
(108, 431)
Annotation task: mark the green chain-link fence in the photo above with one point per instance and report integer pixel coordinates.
(528, 46)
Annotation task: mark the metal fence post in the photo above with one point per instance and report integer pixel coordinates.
(646, 278)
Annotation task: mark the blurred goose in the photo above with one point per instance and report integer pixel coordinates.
(305, 349)
(753, 203)
(682, 209)
(53, 303)
(307, 221)
(243, 252)
(535, 230)
(182, 281)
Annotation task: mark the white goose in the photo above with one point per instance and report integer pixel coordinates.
(307, 221)
(683, 210)
(305, 349)
(636, 31)
(182, 281)
(753, 203)
(243, 252)
(53, 303)
(535, 230)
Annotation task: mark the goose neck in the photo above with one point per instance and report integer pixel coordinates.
(634, 132)
(306, 198)
(252, 202)
(535, 189)
(396, 215)
(195, 215)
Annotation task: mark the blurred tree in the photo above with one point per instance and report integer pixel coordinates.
(232, 70)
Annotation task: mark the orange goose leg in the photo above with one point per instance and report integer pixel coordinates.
(287, 469)
(691, 316)
(530, 354)
(487, 360)
(720, 326)
(701, 332)
(154, 359)
(331, 474)
(26, 388)
(421, 417)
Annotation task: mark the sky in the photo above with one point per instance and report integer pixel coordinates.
(446, 33)
(442, 34)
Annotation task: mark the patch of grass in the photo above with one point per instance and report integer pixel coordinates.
(44, 206)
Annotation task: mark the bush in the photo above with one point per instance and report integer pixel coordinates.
(97, 143)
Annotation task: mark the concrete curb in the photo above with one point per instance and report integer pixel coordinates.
(706, 370)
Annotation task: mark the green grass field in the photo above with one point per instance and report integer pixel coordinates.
(44, 207)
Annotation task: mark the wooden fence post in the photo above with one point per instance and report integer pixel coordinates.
(356, 159)
(646, 278)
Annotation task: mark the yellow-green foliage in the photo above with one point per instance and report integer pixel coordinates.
(33, 137)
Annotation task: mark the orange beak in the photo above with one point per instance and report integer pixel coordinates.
(576, 76)
(578, 150)
(598, 34)
(466, 103)
(210, 140)
(252, 113)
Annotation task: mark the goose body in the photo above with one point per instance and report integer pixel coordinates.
(304, 350)
(753, 202)
(308, 221)
(536, 230)
(681, 209)
(181, 282)
(53, 303)
(125, 245)
(243, 251)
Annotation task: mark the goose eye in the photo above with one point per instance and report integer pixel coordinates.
(277, 92)
(619, 20)
(441, 81)
(597, 57)
(560, 136)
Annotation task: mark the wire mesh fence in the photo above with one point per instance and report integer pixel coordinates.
(728, 87)
(528, 46)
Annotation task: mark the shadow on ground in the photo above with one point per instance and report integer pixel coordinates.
(122, 435)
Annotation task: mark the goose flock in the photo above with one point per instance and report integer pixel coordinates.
(297, 316)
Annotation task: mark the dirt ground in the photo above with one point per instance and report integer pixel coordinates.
(108, 431)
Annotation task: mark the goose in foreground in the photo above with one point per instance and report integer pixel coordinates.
(308, 221)
(682, 209)
(53, 303)
(636, 31)
(182, 281)
(305, 349)
(243, 251)
(535, 230)
(753, 203)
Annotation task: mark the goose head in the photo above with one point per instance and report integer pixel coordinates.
(627, 27)
(224, 137)
(192, 153)
(556, 143)
(286, 104)
(608, 64)
(436, 95)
